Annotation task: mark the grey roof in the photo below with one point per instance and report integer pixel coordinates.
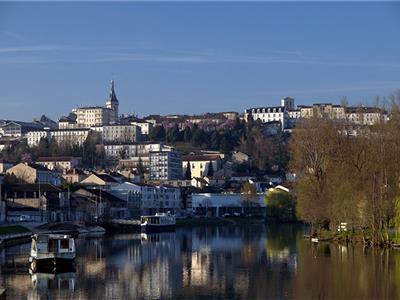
(34, 187)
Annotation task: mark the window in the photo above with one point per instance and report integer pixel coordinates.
(64, 244)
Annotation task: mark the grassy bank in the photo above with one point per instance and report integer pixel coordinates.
(13, 229)
(356, 237)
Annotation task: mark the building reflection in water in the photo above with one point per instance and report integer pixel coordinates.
(252, 262)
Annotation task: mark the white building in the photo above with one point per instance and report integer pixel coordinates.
(288, 115)
(113, 150)
(365, 115)
(267, 114)
(152, 198)
(273, 113)
(16, 129)
(145, 127)
(62, 163)
(34, 173)
(199, 164)
(70, 136)
(121, 133)
(219, 204)
(98, 115)
(165, 165)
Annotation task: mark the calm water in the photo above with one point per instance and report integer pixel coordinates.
(249, 262)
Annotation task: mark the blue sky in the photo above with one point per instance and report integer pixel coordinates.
(194, 57)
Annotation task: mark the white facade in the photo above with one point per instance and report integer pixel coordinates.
(219, 204)
(364, 115)
(94, 116)
(165, 165)
(199, 164)
(34, 137)
(132, 150)
(152, 198)
(70, 136)
(59, 163)
(268, 114)
(121, 133)
(98, 115)
(16, 129)
(288, 115)
(144, 126)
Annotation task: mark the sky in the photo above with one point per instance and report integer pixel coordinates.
(185, 57)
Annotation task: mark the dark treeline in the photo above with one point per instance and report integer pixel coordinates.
(352, 179)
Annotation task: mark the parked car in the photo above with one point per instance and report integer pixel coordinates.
(24, 218)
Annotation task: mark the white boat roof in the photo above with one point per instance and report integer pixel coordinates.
(52, 236)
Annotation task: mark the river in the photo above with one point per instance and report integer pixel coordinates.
(243, 262)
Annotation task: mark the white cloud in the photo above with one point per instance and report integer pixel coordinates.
(38, 48)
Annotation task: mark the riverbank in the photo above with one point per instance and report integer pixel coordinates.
(13, 234)
(217, 221)
(353, 237)
(12, 229)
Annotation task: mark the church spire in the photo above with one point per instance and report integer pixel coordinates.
(113, 96)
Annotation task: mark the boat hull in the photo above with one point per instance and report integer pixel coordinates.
(49, 264)
(157, 228)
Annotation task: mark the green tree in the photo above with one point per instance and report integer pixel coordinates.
(188, 171)
(158, 134)
(214, 140)
(187, 134)
(210, 171)
(174, 134)
(226, 145)
(43, 148)
(280, 205)
(199, 137)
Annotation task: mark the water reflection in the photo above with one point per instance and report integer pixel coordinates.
(250, 262)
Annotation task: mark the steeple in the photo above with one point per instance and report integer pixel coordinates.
(112, 103)
(113, 97)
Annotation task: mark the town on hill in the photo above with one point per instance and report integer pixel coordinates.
(145, 165)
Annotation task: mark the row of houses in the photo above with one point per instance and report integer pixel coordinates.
(287, 115)
(126, 200)
(99, 196)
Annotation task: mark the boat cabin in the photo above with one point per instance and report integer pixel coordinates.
(158, 219)
(53, 248)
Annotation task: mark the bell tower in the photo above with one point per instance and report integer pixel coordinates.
(112, 102)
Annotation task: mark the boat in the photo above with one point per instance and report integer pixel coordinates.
(317, 240)
(50, 250)
(158, 222)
